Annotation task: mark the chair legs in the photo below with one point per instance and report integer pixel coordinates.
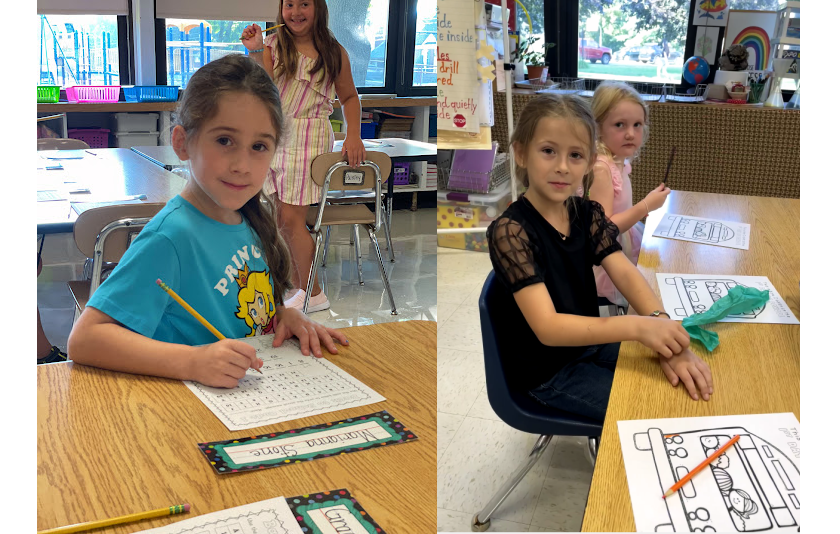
(481, 521)
(319, 241)
(382, 269)
(326, 247)
(358, 250)
(387, 225)
(594, 443)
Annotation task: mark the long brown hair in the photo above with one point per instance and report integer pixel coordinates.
(329, 51)
(569, 107)
(200, 103)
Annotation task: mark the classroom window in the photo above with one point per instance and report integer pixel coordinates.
(191, 44)
(633, 40)
(425, 45)
(361, 26)
(531, 19)
(78, 50)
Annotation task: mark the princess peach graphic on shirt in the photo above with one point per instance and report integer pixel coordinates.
(256, 301)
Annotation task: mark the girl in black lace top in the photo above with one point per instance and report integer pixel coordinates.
(543, 248)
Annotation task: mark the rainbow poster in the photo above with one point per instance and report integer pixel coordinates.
(758, 43)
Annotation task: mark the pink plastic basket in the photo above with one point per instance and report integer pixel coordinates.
(95, 137)
(93, 93)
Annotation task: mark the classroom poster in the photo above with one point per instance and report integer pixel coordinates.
(710, 12)
(457, 79)
(753, 486)
(706, 42)
(753, 29)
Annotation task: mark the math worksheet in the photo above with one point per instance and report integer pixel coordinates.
(292, 386)
(704, 231)
(752, 486)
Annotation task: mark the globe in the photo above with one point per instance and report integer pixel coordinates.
(695, 70)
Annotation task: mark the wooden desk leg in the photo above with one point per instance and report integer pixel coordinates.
(414, 201)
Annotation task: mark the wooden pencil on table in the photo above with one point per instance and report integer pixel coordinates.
(81, 527)
(673, 489)
(194, 313)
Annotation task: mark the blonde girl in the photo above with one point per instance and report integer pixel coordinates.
(228, 126)
(309, 67)
(543, 248)
(622, 118)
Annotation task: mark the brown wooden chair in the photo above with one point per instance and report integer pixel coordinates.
(104, 234)
(62, 144)
(332, 173)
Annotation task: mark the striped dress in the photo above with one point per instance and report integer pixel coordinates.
(307, 105)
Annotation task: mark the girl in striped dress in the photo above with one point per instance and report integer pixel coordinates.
(309, 67)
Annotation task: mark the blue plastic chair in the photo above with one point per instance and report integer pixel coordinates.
(518, 409)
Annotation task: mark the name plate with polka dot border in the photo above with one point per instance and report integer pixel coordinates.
(306, 444)
(332, 512)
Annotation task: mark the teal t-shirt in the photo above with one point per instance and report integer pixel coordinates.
(218, 269)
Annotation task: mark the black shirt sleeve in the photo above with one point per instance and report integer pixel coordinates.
(604, 234)
(513, 254)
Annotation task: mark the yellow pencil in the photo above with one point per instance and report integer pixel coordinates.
(194, 313)
(81, 527)
(269, 29)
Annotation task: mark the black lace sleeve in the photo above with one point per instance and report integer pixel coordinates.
(604, 233)
(513, 254)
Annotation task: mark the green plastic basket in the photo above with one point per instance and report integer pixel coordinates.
(48, 94)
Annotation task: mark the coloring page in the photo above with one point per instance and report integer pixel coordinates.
(686, 294)
(752, 486)
(292, 386)
(271, 516)
(705, 231)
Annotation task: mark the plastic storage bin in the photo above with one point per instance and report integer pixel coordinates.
(93, 93)
(130, 139)
(134, 122)
(369, 130)
(402, 173)
(150, 93)
(95, 137)
(336, 125)
(48, 94)
(469, 210)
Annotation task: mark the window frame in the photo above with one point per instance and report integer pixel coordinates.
(402, 28)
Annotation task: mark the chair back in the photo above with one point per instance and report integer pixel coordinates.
(517, 408)
(323, 164)
(62, 144)
(104, 233)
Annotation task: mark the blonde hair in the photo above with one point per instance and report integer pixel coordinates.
(608, 95)
(569, 107)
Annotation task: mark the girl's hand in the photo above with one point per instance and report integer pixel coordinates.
(252, 37)
(656, 198)
(354, 149)
(663, 336)
(693, 372)
(293, 322)
(223, 363)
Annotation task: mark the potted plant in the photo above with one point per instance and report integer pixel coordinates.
(533, 59)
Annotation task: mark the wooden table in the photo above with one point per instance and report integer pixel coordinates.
(113, 443)
(109, 173)
(755, 368)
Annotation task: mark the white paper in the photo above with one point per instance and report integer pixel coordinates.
(271, 516)
(686, 294)
(711, 12)
(705, 43)
(458, 86)
(753, 486)
(706, 231)
(292, 386)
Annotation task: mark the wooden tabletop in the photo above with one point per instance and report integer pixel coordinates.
(109, 173)
(112, 443)
(755, 368)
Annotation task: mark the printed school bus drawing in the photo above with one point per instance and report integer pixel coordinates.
(755, 485)
(698, 295)
(702, 231)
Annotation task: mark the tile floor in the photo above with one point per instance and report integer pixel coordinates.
(477, 452)
(413, 277)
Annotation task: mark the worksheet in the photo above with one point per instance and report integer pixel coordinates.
(752, 486)
(686, 294)
(292, 386)
(704, 231)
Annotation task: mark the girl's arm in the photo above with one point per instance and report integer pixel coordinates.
(252, 39)
(630, 282)
(603, 193)
(351, 107)
(100, 341)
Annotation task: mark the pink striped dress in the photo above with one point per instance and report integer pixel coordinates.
(307, 105)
